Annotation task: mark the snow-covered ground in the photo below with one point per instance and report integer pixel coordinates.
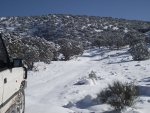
(65, 86)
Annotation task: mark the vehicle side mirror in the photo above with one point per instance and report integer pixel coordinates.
(17, 63)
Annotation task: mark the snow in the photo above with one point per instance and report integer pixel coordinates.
(54, 16)
(10, 28)
(65, 86)
(147, 33)
(23, 34)
(1, 30)
(115, 28)
(88, 24)
(98, 30)
(106, 27)
(126, 30)
(2, 18)
(83, 27)
(68, 16)
(110, 26)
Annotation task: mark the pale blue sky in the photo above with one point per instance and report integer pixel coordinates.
(129, 9)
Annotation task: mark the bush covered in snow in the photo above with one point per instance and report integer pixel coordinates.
(69, 48)
(98, 42)
(30, 49)
(112, 40)
(140, 51)
(134, 37)
(92, 75)
(119, 95)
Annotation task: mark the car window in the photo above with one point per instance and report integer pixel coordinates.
(3, 55)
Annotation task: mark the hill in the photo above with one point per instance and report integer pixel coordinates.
(54, 26)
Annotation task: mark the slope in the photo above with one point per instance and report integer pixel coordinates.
(65, 86)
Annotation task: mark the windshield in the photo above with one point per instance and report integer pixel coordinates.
(3, 54)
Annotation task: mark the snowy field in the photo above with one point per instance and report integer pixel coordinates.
(65, 86)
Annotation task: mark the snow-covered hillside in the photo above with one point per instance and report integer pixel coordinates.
(65, 86)
(77, 27)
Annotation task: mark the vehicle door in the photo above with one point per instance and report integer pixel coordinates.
(11, 76)
(12, 82)
(1, 89)
(3, 67)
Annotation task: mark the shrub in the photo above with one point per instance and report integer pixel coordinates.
(133, 38)
(112, 40)
(92, 75)
(119, 95)
(30, 49)
(69, 48)
(140, 51)
(99, 42)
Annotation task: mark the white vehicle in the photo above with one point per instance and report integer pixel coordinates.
(12, 82)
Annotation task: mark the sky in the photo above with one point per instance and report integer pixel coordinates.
(128, 9)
